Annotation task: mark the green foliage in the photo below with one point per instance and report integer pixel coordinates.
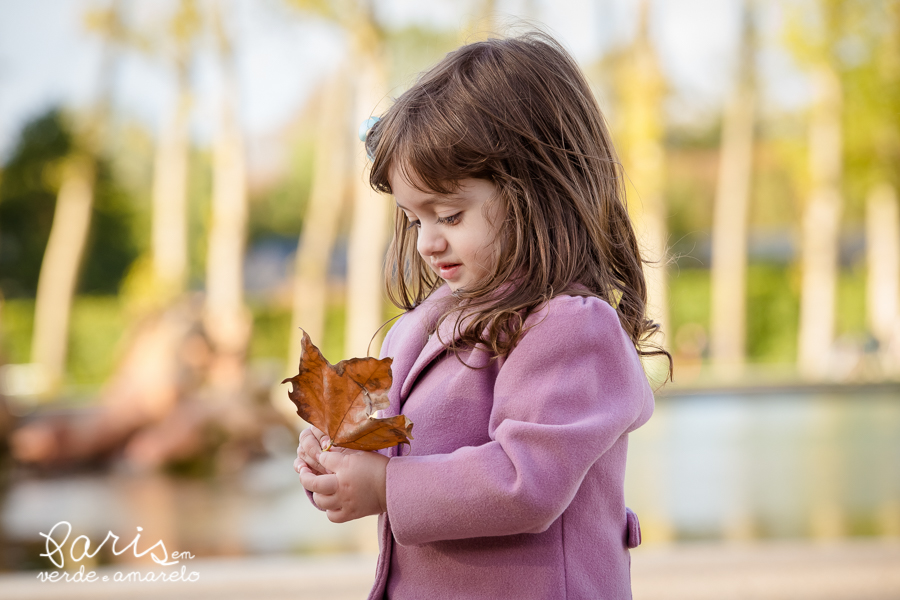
(130, 149)
(271, 329)
(271, 332)
(871, 81)
(810, 29)
(335, 320)
(16, 325)
(773, 309)
(97, 325)
(688, 299)
(27, 201)
(98, 322)
(860, 41)
(851, 303)
(278, 211)
(689, 190)
(111, 247)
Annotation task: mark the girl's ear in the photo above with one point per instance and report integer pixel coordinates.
(496, 208)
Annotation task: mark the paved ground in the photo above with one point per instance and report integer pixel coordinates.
(849, 570)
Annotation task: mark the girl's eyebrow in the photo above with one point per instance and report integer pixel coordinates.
(433, 200)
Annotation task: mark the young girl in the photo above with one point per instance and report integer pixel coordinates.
(518, 358)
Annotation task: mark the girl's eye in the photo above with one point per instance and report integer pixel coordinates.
(413, 224)
(451, 220)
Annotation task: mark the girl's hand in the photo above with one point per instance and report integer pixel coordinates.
(312, 442)
(354, 487)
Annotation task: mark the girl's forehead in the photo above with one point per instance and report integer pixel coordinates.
(406, 176)
(408, 196)
(402, 173)
(466, 192)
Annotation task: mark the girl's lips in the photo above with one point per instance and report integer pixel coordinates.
(448, 271)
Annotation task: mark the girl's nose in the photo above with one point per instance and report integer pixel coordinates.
(430, 241)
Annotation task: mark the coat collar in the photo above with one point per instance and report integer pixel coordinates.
(435, 345)
(419, 349)
(413, 349)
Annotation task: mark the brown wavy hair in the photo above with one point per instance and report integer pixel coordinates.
(517, 112)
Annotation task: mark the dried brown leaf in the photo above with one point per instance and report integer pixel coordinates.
(342, 399)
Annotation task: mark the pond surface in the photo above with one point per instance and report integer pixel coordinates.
(790, 463)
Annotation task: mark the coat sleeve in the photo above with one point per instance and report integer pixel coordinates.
(568, 391)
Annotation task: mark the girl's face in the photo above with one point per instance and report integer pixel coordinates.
(457, 236)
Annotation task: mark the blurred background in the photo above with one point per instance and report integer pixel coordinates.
(182, 188)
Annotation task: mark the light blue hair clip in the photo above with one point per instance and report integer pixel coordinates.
(364, 129)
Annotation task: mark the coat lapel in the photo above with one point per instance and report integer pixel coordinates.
(434, 347)
(413, 349)
(424, 352)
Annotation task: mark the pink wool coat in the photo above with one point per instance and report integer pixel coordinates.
(513, 484)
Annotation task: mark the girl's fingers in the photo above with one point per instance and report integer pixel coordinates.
(327, 502)
(309, 450)
(300, 464)
(321, 437)
(318, 484)
(323, 488)
(337, 516)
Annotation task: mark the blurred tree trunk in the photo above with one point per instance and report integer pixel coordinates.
(883, 260)
(170, 170)
(170, 173)
(58, 278)
(821, 226)
(59, 269)
(320, 223)
(882, 210)
(226, 319)
(729, 231)
(369, 232)
(643, 87)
